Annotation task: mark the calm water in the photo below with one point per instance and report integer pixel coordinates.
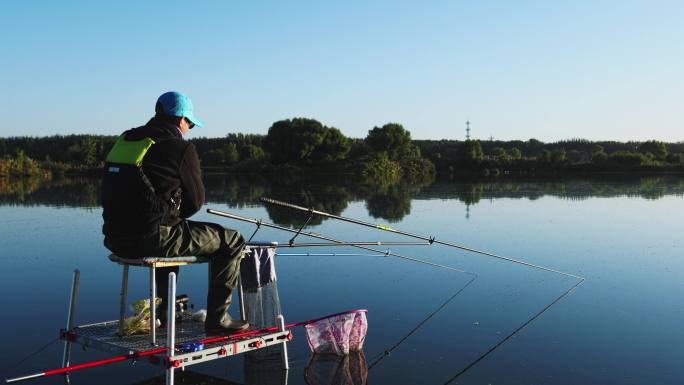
(622, 326)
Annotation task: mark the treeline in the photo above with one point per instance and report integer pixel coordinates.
(474, 157)
(33, 156)
(386, 154)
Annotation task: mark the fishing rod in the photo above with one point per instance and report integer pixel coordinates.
(430, 240)
(160, 350)
(375, 243)
(259, 223)
(329, 255)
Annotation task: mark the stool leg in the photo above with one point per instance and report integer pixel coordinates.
(122, 304)
(153, 307)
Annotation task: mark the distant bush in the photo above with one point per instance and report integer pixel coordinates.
(381, 168)
(626, 158)
(21, 165)
(417, 169)
(251, 152)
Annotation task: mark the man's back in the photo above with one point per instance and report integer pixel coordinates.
(172, 167)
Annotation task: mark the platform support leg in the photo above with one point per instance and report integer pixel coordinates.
(241, 299)
(171, 328)
(280, 322)
(66, 357)
(153, 306)
(122, 304)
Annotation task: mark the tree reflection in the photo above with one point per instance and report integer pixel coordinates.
(63, 191)
(233, 190)
(391, 202)
(332, 199)
(471, 193)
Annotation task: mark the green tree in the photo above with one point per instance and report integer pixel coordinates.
(84, 152)
(627, 158)
(417, 169)
(334, 146)
(293, 141)
(598, 155)
(251, 152)
(676, 158)
(558, 155)
(658, 149)
(21, 165)
(500, 154)
(472, 151)
(215, 157)
(544, 156)
(515, 153)
(231, 155)
(379, 168)
(392, 139)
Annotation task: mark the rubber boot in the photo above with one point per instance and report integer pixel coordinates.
(218, 320)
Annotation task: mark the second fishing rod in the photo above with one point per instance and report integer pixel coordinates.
(430, 240)
(335, 242)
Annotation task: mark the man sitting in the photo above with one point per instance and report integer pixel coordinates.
(151, 185)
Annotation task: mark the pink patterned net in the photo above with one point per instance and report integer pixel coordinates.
(338, 334)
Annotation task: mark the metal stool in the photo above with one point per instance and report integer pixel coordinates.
(152, 263)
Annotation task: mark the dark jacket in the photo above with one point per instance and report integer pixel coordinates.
(170, 164)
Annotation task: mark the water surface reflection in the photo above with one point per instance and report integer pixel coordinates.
(390, 203)
(628, 245)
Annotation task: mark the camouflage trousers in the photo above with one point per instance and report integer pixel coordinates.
(223, 247)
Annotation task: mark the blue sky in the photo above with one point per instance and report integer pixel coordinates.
(549, 70)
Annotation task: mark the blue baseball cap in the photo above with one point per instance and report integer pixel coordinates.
(177, 104)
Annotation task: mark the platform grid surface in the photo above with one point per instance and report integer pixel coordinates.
(105, 333)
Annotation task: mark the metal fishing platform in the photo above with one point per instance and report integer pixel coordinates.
(181, 343)
(189, 334)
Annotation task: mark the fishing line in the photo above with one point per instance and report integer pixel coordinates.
(388, 351)
(31, 355)
(498, 344)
